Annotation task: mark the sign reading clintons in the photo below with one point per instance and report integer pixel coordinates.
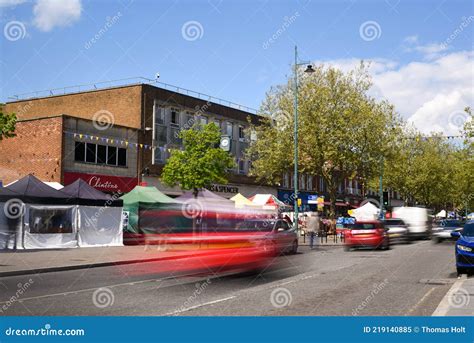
(104, 183)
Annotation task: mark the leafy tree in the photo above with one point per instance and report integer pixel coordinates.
(344, 133)
(7, 124)
(200, 163)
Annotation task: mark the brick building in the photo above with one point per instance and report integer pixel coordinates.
(139, 121)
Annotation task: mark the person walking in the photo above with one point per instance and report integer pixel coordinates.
(312, 227)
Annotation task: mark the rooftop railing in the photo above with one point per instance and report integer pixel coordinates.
(128, 82)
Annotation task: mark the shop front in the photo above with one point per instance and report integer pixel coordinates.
(308, 199)
(226, 191)
(103, 183)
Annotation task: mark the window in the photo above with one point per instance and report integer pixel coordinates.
(241, 167)
(174, 119)
(309, 185)
(229, 131)
(101, 154)
(302, 181)
(286, 180)
(217, 123)
(159, 155)
(90, 152)
(112, 155)
(80, 151)
(122, 157)
(51, 220)
(174, 136)
(159, 114)
(203, 120)
(241, 133)
(189, 120)
(161, 134)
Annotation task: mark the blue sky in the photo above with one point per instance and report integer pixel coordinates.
(421, 50)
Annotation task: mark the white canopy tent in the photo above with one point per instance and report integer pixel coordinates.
(366, 212)
(441, 214)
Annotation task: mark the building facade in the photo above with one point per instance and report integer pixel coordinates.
(118, 137)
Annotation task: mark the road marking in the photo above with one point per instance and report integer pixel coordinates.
(198, 306)
(93, 289)
(421, 301)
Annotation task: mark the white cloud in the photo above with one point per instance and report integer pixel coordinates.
(56, 13)
(8, 3)
(431, 94)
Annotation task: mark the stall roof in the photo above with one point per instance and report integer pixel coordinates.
(85, 194)
(30, 186)
(146, 195)
(205, 195)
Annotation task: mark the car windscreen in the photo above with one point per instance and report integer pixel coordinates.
(256, 225)
(362, 226)
(468, 230)
(451, 223)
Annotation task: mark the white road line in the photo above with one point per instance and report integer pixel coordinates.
(421, 300)
(93, 289)
(198, 306)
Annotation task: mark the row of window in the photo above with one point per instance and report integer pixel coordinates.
(100, 154)
(175, 116)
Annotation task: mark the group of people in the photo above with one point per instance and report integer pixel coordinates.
(314, 226)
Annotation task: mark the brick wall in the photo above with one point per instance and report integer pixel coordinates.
(36, 149)
(122, 104)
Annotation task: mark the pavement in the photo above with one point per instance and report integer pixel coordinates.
(459, 300)
(23, 262)
(409, 279)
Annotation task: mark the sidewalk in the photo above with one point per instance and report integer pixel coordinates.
(459, 301)
(304, 240)
(21, 262)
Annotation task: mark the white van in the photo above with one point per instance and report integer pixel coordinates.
(416, 219)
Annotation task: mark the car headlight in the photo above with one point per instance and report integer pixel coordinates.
(464, 248)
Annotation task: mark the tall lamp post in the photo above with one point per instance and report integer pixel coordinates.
(309, 69)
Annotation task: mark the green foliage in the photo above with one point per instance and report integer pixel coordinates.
(343, 132)
(201, 162)
(7, 124)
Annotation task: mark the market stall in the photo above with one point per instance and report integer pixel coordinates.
(99, 215)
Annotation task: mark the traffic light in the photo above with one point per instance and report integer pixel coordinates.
(385, 198)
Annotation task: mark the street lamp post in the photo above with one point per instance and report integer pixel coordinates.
(309, 69)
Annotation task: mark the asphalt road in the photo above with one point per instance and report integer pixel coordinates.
(406, 280)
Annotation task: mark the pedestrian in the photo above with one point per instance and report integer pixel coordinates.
(312, 227)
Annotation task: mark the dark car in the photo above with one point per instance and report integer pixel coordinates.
(369, 234)
(442, 230)
(464, 249)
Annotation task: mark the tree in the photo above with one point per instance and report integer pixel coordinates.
(344, 133)
(200, 163)
(7, 124)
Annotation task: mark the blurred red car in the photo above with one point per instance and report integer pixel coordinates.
(368, 234)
